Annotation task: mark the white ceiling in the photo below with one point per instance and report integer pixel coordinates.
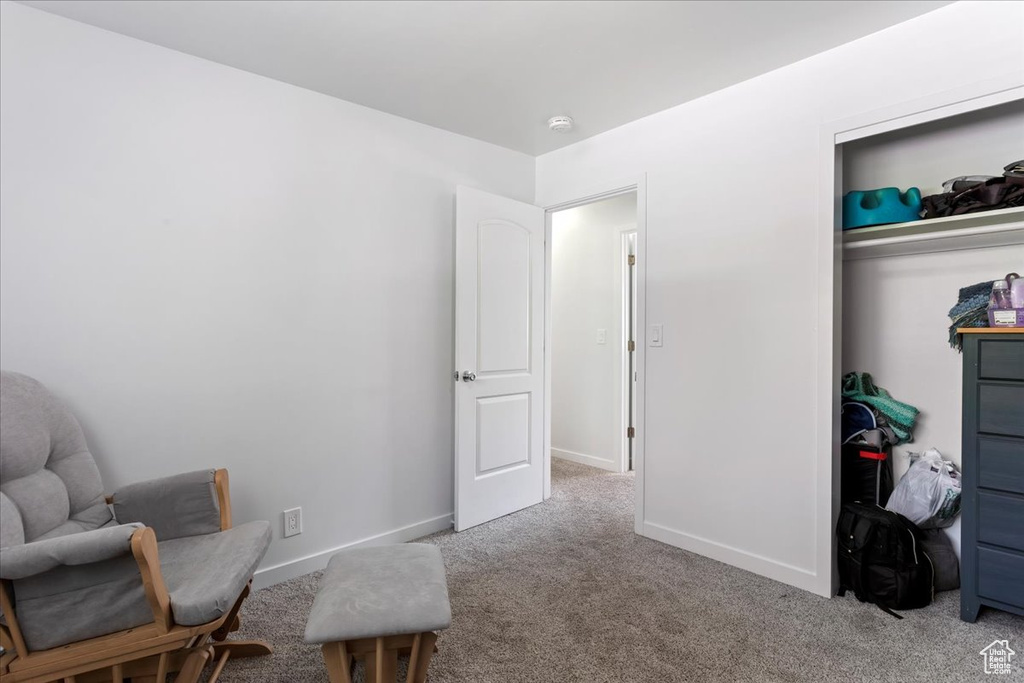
(497, 71)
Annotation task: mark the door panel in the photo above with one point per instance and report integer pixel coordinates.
(499, 319)
(503, 431)
(503, 293)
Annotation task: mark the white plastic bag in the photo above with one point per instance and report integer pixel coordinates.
(929, 493)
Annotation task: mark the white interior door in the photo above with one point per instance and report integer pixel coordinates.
(499, 356)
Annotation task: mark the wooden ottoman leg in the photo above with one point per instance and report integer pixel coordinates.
(338, 662)
(422, 655)
(414, 658)
(381, 664)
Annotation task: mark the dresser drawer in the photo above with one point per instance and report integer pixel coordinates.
(1001, 519)
(1001, 409)
(1001, 576)
(1001, 359)
(1001, 464)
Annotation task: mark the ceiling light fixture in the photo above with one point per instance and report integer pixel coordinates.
(560, 124)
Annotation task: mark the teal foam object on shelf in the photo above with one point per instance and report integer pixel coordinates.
(878, 207)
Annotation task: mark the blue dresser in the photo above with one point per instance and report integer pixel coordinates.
(992, 540)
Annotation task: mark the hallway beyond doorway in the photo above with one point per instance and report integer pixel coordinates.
(593, 292)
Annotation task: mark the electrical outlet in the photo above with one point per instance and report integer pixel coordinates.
(292, 522)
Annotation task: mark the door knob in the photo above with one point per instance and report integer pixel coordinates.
(468, 376)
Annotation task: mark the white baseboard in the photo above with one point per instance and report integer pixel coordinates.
(268, 576)
(584, 459)
(758, 564)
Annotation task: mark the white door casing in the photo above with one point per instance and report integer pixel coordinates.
(499, 356)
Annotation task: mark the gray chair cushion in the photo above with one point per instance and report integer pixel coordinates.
(47, 475)
(87, 521)
(206, 574)
(28, 559)
(76, 586)
(180, 505)
(12, 529)
(73, 602)
(381, 591)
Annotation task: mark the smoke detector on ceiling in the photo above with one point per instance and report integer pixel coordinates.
(560, 124)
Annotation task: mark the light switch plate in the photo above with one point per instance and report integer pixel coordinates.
(656, 335)
(602, 336)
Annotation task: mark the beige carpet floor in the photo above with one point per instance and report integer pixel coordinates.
(565, 592)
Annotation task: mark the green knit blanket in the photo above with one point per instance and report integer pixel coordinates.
(858, 386)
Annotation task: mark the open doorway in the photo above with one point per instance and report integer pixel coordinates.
(503, 342)
(593, 312)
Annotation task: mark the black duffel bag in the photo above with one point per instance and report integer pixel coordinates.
(882, 558)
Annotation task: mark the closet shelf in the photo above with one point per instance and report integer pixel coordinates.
(970, 231)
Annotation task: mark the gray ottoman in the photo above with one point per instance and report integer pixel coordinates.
(377, 603)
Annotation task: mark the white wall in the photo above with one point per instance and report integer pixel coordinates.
(731, 465)
(217, 269)
(587, 295)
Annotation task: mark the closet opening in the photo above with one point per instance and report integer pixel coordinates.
(907, 267)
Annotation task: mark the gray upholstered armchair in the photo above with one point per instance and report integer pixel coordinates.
(141, 584)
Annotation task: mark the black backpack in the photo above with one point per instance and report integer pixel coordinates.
(882, 559)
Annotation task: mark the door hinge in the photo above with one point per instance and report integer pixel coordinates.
(632, 260)
(631, 433)
(632, 346)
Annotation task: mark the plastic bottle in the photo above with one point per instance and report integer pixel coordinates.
(1016, 290)
(1000, 297)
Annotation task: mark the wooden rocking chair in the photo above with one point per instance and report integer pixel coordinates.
(89, 594)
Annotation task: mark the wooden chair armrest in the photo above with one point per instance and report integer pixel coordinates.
(145, 551)
(11, 634)
(220, 480)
